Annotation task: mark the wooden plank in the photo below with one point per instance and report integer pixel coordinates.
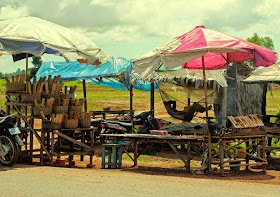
(72, 140)
(178, 154)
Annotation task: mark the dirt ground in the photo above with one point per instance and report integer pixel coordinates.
(167, 164)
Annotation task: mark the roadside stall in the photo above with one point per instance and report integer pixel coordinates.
(30, 36)
(205, 49)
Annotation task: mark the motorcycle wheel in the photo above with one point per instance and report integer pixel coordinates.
(13, 150)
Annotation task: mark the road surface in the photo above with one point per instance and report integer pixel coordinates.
(26, 180)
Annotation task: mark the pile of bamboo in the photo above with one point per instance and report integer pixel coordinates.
(76, 105)
(71, 121)
(55, 121)
(33, 91)
(52, 87)
(61, 106)
(70, 94)
(85, 119)
(45, 106)
(17, 83)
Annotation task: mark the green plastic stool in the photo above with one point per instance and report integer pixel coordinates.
(115, 152)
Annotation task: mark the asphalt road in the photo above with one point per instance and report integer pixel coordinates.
(26, 180)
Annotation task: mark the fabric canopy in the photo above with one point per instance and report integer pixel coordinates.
(146, 65)
(217, 49)
(75, 70)
(36, 36)
(270, 74)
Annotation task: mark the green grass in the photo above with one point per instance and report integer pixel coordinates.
(101, 96)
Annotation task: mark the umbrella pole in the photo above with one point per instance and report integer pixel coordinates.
(207, 117)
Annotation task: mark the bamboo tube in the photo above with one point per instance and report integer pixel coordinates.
(43, 115)
(46, 87)
(35, 79)
(13, 79)
(7, 80)
(36, 103)
(28, 87)
(17, 78)
(43, 102)
(34, 87)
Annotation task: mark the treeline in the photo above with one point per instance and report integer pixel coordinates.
(36, 61)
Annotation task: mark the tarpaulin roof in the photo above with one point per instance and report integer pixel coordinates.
(75, 70)
(36, 36)
(261, 75)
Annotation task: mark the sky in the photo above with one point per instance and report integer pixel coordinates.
(130, 28)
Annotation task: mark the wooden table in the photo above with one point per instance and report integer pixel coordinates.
(149, 139)
(254, 150)
(86, 146)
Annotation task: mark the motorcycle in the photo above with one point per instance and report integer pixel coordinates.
(117, 127)
(10, 140)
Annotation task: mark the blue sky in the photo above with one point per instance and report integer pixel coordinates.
(131, 28)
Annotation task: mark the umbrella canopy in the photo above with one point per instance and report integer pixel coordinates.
(34, 36)
(265, 75)
(198, 38)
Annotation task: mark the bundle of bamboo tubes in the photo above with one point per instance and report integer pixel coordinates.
(17, 83)
(61, 106)
(45, 106)
(55, 121)
(76, 105)
(71, 121)
(33, 91)
(85, 119)
(69, 94)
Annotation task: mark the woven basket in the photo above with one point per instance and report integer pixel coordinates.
(13, 87)
(44, 95)
(67, 96)
(46, 111)
(60, 109)
(85, 122)
(50, 125)
(70, 123)
(29, 98)
(76, 108)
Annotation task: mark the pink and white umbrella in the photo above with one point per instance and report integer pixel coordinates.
(218, 49)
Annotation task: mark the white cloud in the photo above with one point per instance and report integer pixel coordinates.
(129, 28)
(10, 12)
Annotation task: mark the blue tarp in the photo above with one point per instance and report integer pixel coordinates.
(74, 70)
(115, 84)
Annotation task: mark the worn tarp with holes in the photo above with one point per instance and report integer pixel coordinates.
(74, 71)
(265, 74)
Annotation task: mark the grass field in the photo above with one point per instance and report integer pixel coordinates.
(100, 96)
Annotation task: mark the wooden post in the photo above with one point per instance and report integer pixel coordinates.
(26, 65)
(221, 149)
(224, 107)
(264, 100)
(189, 99)
(207, 120)
(131, 103)
(85, 94)
(152, 104)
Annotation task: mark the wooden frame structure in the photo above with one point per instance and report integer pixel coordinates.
(134, 139)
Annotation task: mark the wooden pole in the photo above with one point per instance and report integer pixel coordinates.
(152, 103)
(26, 66)
(131, 103)
(264, 100)
(85, 94)
(207, 120)
(224, 107)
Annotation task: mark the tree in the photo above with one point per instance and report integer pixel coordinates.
(266, 42)
(37, 62)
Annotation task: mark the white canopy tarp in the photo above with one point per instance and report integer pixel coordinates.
(265, 74)
(152, 60)
(36, 36)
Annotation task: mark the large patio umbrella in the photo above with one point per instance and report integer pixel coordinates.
(202, 37)
(31, 36)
